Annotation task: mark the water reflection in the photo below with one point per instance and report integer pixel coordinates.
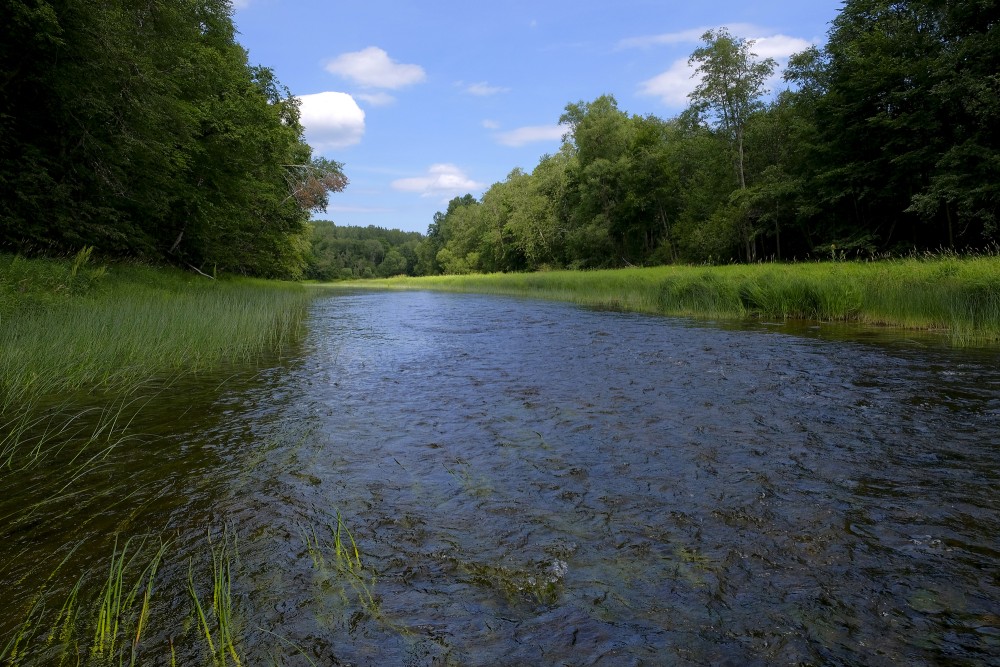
(532, 483)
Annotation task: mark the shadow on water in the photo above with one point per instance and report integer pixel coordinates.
(455, 479)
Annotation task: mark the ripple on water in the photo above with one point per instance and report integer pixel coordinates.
(533, 483)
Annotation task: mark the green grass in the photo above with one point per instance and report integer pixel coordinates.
(73, 334)
(222, 626)
(956, 296)
(65, 326)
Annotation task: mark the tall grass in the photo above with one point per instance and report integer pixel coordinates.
(217, 623)
(69, 329)
(956, 296)
(65, 327)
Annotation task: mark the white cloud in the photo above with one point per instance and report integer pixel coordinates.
(483, 89)
(440, 180)
(377, 99)
(358, 209)
(373, 68)
(491, 124)
(779, 47)
(241, 4)
(331, 120)
(673, 85)
(530, 134)
(692, 36)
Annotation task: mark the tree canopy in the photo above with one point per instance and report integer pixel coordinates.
(885, 140)
(140, 128)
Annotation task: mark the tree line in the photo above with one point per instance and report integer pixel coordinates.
(885, 140)
(140, 129)
(344, 252)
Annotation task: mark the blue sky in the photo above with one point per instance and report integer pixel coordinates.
(424, 101)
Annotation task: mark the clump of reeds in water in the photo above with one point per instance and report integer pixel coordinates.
(106, 619)
(68, 328)
(217, 622)
(344, 567)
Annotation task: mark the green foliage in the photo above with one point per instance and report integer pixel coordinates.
(960, 297)
(886, 140)
(140, 129)
(339, 253)
(731, 85)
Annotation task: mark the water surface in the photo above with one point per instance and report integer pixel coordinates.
(535, 483)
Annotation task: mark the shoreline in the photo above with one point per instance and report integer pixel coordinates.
(957, 297)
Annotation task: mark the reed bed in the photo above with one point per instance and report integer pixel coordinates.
(956, 296)
(65, 327)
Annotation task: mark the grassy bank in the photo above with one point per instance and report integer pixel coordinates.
(68, 325)
(960, 297)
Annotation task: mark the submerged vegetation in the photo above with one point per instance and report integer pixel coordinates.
(959, 297)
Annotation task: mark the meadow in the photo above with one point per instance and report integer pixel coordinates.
(959, 297)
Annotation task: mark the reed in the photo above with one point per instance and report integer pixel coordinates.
(121, 615)
(221, 632)
(345, 567)
(134, 324)
(70, 330)
(958, 296)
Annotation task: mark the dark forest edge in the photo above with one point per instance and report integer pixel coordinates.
(140, 129)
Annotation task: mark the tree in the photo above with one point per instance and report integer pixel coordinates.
(731, 86)
(140, 128)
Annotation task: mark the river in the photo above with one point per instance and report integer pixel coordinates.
(532, 483)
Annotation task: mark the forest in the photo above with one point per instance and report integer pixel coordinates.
(340, 252)
(885, 141)
(141, 130)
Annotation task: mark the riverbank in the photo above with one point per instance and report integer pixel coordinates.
(67, 325)
(87, 352)
(958, 297)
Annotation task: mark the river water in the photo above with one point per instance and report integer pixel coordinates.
(532, 483)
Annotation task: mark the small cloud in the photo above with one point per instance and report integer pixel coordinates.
(373, 68)
(692, 36)
(241, 4)
(491, 124)
(483, 89)
(533, 24)
(530, 134)
(779, 47)
(378, 99)
(440, 180)
(672, 86)
(331, 120)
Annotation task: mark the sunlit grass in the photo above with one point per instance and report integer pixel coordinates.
(956, 296)
(121, 614)
(70, 330)
(218, 623)
(127, 324)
